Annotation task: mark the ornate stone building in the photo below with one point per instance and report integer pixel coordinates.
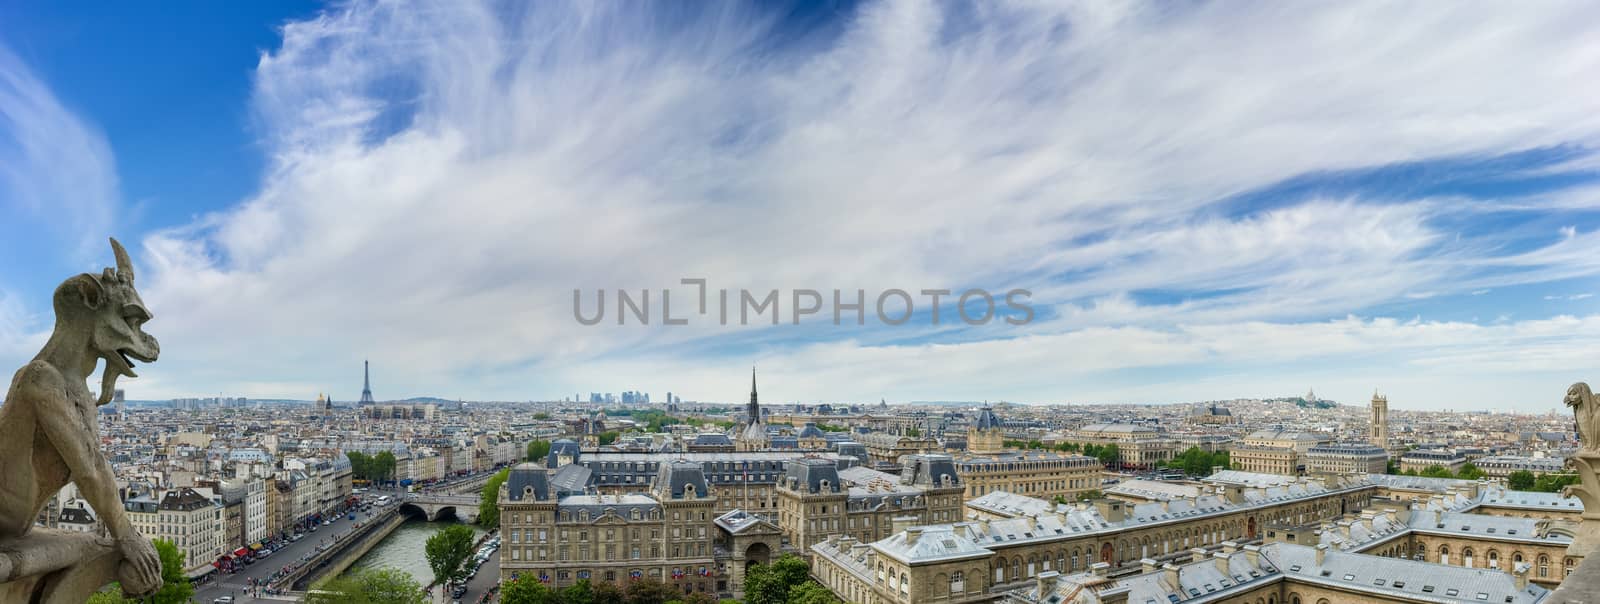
(753, 435)
(1137, 445)
(1042, 474)
(1379, 430)
(562, 536)
(1266, 460)
(885, 450)
(1347, 458)
(817, 500)
(986, 436)
(746, 480)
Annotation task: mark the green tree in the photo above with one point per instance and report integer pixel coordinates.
(538, 449)
(369, 586)
(1437, 472)
(489, 499)
(112, 594)
(1521, 480)
(384, 465)
(1552, 483)
(701, 597)
(649, 591)
(1090, 494)
(1470, 471)
(771, 583)
(913, 432)
(811, 592)
(1393, 467)
(1109, 454)
(578, 593)
(360, 465)
(175, 587)
(527, 590)
(447, 550)
(607, 438)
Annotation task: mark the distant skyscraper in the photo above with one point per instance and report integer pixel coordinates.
(120, 398)
(1380, 420)
(366, 383)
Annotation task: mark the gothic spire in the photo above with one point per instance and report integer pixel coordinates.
(754, 410)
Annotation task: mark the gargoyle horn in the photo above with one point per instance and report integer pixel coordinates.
(124, 265)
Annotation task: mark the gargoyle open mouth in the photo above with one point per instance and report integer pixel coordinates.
(127, 357)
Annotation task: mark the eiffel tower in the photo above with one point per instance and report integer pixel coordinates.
(366, 384)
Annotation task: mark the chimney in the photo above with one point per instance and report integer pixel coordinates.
(1197, 554)
(1222, 560)
(912, 534)
(1229, 547)
(1252, 554)
(1100, 569)
(1520, 571)
(1148, 565)
(901, 523)
(1110, 509)
(1171, 572)
(1322, 553)
(1047, 582)
(1344, 529)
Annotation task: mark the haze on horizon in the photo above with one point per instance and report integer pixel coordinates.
(1207, 201)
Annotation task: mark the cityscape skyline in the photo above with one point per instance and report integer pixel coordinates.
(1196, 217)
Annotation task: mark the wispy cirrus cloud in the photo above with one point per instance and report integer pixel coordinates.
(58, 190)
(445, 174)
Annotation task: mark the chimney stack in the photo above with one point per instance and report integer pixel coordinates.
(1322, 553)
(1223, 559)
(1520, 571)
(912, 534)
(1230, 546)
(1252, 554)
(1171, 572)
(1047, 582)
(1148, 565)
(1100, 569)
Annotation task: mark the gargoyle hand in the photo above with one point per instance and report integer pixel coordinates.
(140, 573)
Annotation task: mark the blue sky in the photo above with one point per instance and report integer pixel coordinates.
(1208, 201)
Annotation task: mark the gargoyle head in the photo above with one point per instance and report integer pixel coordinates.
(1577, 394)
(107, 309)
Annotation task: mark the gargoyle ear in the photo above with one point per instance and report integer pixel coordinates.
(88, 290)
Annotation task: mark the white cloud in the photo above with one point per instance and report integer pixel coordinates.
(444, 177)
(57, 175)
(57, 190)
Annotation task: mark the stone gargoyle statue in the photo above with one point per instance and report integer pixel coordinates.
(49, 436)
(1586, 462)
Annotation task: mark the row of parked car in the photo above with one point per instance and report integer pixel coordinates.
(485, 552)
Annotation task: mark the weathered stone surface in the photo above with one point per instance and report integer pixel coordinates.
(49, 436)
(1583, 585)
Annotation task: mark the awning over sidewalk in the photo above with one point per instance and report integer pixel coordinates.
(241, 552)
(200, 572)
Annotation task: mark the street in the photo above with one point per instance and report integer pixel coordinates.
(237, 584)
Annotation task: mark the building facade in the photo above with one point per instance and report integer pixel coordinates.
(1042, 474)
(562, 536)
(817, 500)
(1347, 458)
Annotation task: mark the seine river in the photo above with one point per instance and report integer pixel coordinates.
(403, 549)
